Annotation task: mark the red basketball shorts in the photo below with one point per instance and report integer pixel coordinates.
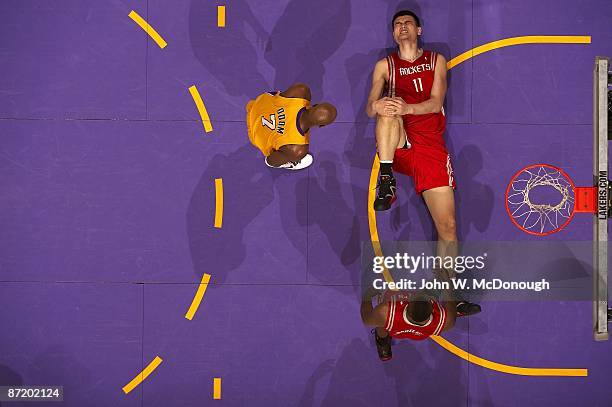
(428, 167)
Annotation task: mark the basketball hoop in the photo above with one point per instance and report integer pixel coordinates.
(541, 199)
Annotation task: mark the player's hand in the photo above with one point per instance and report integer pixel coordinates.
(399, 107)
(383, 107)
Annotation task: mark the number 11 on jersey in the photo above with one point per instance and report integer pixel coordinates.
(418, 85)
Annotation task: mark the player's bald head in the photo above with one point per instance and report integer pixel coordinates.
(323, 114)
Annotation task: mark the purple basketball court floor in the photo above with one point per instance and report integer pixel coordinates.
(111, 213)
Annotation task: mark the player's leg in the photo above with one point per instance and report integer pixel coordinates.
(387, 140)
(440, 202)
(376, 317)
(383, 343)
(402, 140)
(387, 136)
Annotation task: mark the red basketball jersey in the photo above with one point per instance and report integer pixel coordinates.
(412, 81)
(400, 327)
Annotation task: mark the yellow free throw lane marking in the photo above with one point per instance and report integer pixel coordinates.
(148, 29)
(220, 16)
(523, 371)
(547, 39)
(508, 42)
(218, 202)
(197, 299)
(217, 388)
(201, 108)
(142, 375)
(372, 219)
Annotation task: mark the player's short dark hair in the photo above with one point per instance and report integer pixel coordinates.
(420, 310)
(405, 13)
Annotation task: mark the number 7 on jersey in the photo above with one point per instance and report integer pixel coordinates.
(271, 124)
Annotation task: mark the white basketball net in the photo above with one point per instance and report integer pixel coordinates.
(540, 218)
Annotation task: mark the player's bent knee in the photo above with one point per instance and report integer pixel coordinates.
(392, 123)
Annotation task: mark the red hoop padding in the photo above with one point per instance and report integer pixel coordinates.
(573, 206)
(586, 200)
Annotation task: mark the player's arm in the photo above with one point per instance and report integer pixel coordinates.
(436, 100)
(297, 90)
(373, 316)
(376, 105)
(451, 314)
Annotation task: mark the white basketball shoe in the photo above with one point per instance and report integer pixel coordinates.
(305, 162)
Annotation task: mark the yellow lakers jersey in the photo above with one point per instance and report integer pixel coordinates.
(273, 121)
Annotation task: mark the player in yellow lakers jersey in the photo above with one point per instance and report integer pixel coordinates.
(279, 125)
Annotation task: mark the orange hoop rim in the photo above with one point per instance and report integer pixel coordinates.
(569, 218)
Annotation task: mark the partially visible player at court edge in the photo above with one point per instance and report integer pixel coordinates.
(279, 124)
(412, 315)
(406, 315)
(410, 124)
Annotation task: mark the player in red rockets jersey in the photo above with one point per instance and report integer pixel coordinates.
(410, 122)
(411, 315)
(406, 315)
(402, 316)
(410, 126)
(412, 83)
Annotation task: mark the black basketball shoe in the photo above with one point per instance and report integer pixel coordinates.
(465, 308)
(386, 193)
(383, 346)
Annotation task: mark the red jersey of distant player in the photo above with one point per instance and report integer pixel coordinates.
(398, 325)
(412, 81)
